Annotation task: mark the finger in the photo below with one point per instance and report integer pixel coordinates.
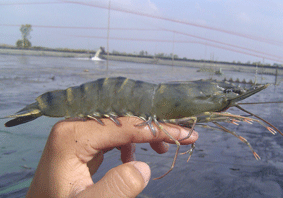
(128, 152)
(99, 137)
(126, 180)
(160, 147)
(94, 164)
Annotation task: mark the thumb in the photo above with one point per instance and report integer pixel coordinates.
(126, 180)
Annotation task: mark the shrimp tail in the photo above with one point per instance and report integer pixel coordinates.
(27, 114)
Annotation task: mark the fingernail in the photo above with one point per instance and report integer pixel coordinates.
(184, 134)
(144, 170)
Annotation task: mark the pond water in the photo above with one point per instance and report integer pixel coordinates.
(221, 165)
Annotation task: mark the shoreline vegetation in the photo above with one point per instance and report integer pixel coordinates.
(160, 59)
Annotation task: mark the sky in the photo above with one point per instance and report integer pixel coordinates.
(222, 30)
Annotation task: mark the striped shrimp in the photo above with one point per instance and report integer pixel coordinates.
(187, 103)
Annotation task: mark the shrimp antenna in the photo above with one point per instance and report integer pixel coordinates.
(259, 118)
(249, 103)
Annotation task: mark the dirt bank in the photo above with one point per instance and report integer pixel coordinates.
(205, 66)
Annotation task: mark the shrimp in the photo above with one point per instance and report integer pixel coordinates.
(186, 103)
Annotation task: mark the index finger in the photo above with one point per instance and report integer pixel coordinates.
(87, 138)
(111, 135)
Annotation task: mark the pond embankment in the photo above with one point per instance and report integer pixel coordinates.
(205, 66)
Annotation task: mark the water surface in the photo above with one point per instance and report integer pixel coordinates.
(221, 165)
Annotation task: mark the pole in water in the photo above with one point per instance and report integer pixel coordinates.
(108, 30)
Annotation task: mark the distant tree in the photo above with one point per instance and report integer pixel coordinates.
(176, 56)
(25, 30)
(159, 55)
(115, 52)
(257, 63)
(19, 43)
(23, 43)
(141, 53)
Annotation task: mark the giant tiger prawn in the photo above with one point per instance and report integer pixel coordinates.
(186, 103)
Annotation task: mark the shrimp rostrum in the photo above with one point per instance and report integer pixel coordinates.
(186, 103)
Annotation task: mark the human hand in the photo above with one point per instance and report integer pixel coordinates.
(74, 151)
